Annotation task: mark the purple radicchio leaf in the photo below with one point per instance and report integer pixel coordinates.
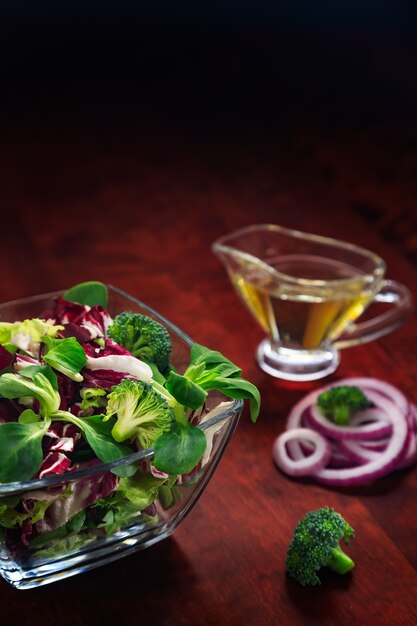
(110, 347)
(9, 410)
(54, 463)
(61, 436)
(22, 361)
(6, 358)
(68, 390)
(80, 333)
(105, 379)
(85, 492)
(95, 319)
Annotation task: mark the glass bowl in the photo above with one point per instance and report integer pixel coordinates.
(78, 546)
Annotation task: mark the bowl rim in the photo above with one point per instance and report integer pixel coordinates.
(233, 409)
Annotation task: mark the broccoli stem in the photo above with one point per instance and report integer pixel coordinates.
(340, 562)
(180, 413)
(179, 410)
(139, 343)
(342, 414)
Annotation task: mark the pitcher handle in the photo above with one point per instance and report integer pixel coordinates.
(391, 292)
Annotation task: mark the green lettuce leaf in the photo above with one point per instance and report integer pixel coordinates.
(179, 450)
(21, 450)
(30, 331)
(98, 435)
(90, 293)
(185, 391)
(67, 356)
(38, 386)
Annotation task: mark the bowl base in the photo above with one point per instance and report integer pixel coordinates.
(38, 572)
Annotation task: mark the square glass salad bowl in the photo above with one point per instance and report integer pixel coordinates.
(64, 537)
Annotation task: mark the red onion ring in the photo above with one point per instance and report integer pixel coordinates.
(296, 419)
(373, 428)
(358, 452)
(380, 386)
(376, 442)
(305, 465)
(412, 411)
(383, 465)
(410, 457)
(339, 458)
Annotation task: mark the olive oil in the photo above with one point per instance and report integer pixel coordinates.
(298, 304)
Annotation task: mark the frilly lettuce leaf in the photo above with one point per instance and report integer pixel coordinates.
(28, 333)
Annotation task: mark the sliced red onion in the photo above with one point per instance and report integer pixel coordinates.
(374, 426)
(371, 414)
(377, 441)
(358, 453)
(297, 418)
(410, 457)
(306, 465)
(376, 385)
(338, 457)
(377, 445)
(412, 413)
(386, 462)
(340, 460)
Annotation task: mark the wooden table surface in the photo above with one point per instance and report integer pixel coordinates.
(116, 189)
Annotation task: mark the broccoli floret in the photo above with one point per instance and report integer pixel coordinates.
(143, 336)
(315, 544)
(141, 412)
(339, 403)
(92, 398)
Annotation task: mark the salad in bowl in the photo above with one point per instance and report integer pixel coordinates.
(112, 421)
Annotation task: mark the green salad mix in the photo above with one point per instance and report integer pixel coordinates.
(79, 389)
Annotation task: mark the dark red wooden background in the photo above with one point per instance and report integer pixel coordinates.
(125, 152)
